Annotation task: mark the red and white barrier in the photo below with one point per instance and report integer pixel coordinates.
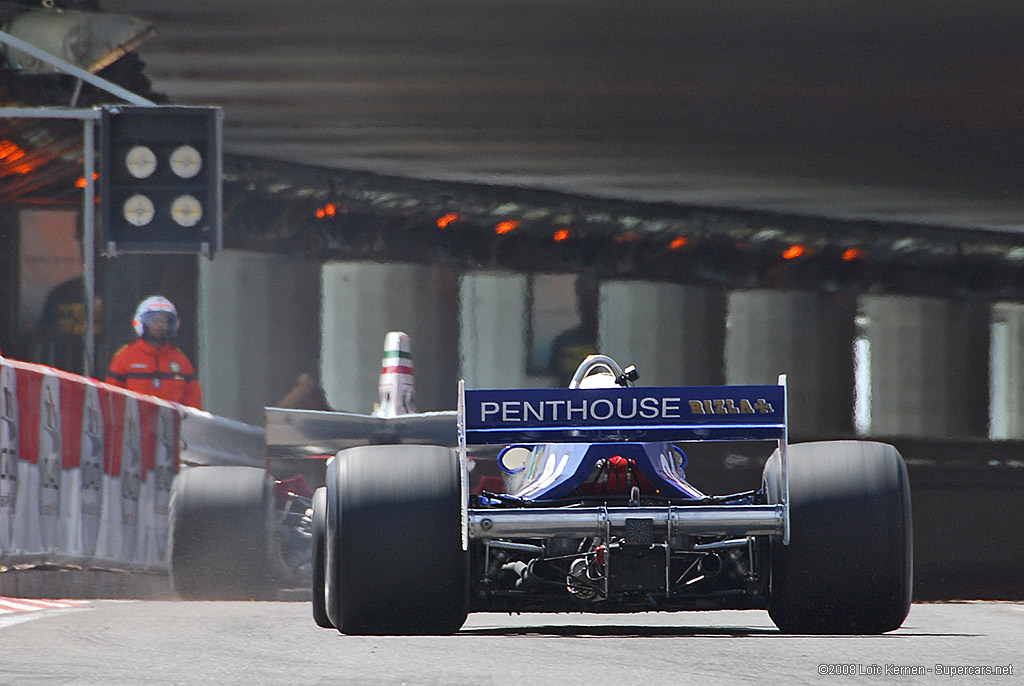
(85, 471)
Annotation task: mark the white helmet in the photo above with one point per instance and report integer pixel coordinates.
(601, 379)
(151, 305)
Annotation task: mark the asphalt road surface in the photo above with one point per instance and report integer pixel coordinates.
(137, 642)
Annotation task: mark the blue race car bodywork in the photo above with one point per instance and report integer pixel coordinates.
(556, 470)
(599, 516)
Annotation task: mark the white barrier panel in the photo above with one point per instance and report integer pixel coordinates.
(86, 468)
(8, 456)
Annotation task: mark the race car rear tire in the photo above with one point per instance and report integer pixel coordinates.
(395, 561)
(319, 545)
(849, 566)
(221, 531)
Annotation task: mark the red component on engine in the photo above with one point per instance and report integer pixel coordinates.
(295, 484)
(618, 476)
(493, 484)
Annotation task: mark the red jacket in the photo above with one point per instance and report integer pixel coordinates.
(164, 372)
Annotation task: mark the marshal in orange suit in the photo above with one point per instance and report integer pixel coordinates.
(151, 364)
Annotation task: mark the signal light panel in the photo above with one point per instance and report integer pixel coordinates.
(160, 179)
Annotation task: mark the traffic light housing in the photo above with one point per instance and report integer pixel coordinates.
(160, 179)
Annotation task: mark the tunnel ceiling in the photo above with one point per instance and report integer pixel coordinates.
(908, 112)
(786, 145)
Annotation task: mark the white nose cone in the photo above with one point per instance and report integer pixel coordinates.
(396, 384)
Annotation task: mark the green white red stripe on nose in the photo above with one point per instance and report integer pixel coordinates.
(396, 362)
(397, 354)
(396, 381)
(396, 369)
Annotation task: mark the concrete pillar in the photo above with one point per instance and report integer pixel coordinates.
(1007, 371)
(929, 366)
(673, 333)
(259, 328)
(808, 336)
(362, 301)
(492, 344)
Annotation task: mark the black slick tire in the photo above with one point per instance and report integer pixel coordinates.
(848, 568)
(395, 562)
(221, 531)
(319, 551)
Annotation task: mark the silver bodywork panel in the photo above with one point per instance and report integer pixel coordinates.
(316, 432)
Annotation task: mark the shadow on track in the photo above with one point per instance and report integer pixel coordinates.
(618, 631)
(627, 631)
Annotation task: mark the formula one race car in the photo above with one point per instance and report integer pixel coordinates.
(596, 516)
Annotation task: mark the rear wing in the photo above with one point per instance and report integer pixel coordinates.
(559, 415)
(628, 414)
